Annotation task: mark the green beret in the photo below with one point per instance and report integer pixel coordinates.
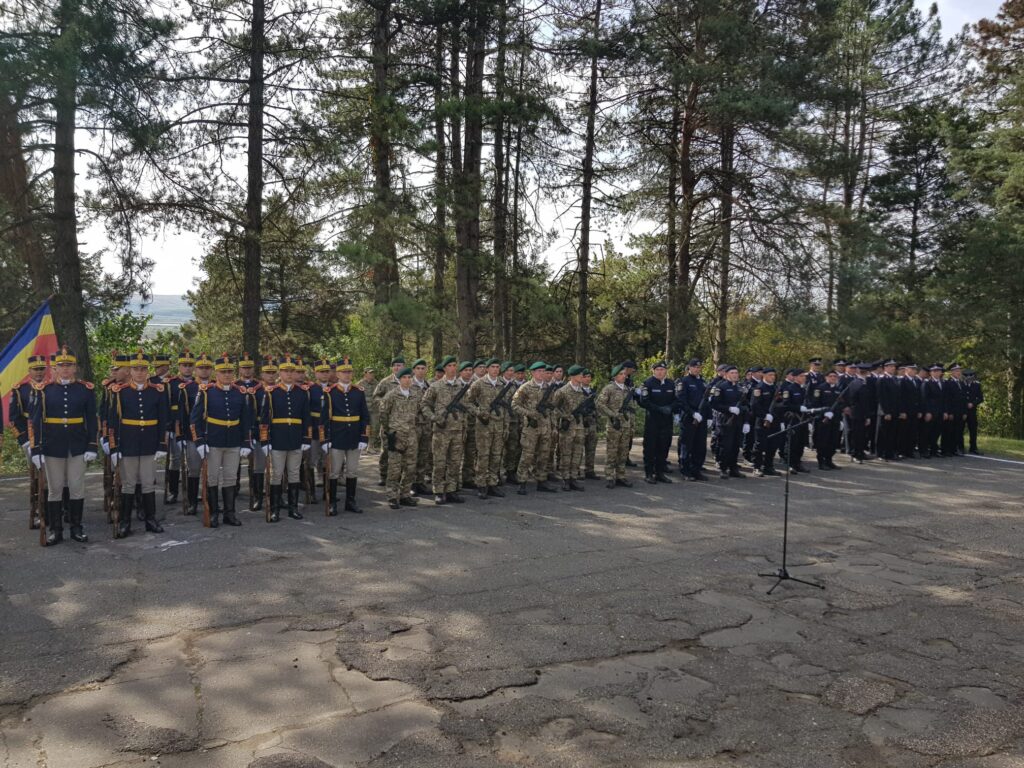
(575, 370)
(447, 360)
(407, 371)
(540, 365)
(520, 367)
(550, 367)
(492, 361)
(439, 368)
(587, 372)
(419, 361)
(466, 364)
(506, 365)
(398, 360)
(478, 362)
(617, 370)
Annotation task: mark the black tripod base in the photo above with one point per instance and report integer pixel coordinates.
(782, 575)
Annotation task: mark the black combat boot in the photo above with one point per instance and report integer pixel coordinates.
(55, 522)
(350, 496)
(574, 486)
(75, 513)
(522, 489)
(124, 523)
(482, 493)
(256, 502)
(193, 496)
(492, 491)
(565, 485)
(275, 503)
(149, 507)
(293, 501)
(212, 500)
(661, 477)
(230, 518)
(591, 475)
(542, 486)
(407, 501)
(173, 481)
(454, 497)
(140, 508)
(734, 471)
(332, 490)
(624, 483)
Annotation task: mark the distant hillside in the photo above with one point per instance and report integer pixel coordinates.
(169, 311)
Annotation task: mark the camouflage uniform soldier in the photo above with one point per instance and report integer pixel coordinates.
(556, 379)
(478, 369)
(398, 416)
(368, 384)
(489, 430)
(387, 384)
(589, 429)
(514, 428)
(536, 431)
(568, 402)
(447, 432)
(614, 404)
(423, 453)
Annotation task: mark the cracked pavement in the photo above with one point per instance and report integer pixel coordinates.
(606, 628)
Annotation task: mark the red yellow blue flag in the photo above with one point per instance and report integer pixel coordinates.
(36, 337)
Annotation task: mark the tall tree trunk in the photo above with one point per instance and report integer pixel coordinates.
(499, 204)
(728, 138)
(252, 300)
(16, 198)
(440, 195)
(583, 258)
(467, 191)
(68, 307)
(673, 348)
(681, 320)
(513, 347)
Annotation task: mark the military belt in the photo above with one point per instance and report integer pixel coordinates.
(315, 414)
(79, 420)
(223, 422)
(286, 421)
(346, 419)
(140, 422)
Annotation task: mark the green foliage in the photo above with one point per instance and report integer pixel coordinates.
(116, 333)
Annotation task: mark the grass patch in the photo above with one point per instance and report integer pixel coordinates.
(1003, 447)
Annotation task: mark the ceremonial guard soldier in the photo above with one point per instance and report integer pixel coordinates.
(789, 409)
(754, 377)
(936, 399)
(19, 415)
(173, 386)
(975, 397)
(484, 403)
(314, 459)
(140, 418)
(222, 432)
(726, 399)
(188, 393)
(399, 416)
(289, 431)
(442, 407)
(910, 410)
(387, 384)
(761, 399)
(345, 430)
(890, 410)
(858, 411)
(162, 375)
(615, 403)
(258, 457)
(955, 395)
(531, 404)
(568, 404)
(694, 412)
(64, 429)
(826, 394)
(657, 396)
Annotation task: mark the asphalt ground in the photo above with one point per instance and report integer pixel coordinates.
(624, 627)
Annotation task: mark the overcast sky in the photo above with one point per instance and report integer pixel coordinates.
(176, 254)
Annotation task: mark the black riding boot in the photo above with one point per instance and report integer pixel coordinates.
(212, 500)
(55, 522)
(275, 503)
(149, 506)
(173, 479)
(140, 508)
(332, 490)
(229, 495)
(293, 501)
(193, 496)
(77, 532)
(256, 502)
(124, 524)
(350, 496)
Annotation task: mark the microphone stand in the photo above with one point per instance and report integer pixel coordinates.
(782, 573)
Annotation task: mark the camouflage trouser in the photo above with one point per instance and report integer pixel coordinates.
(402, 464)
(383, 461)
(617, 450)
(513, 446)
(535, 449)
(589, 447)
(468, 445)
(424, 453)
(570, 451)
(447, 447)
(489, 444)
(551, 460)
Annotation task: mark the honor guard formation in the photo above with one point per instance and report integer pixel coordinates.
(474, 424)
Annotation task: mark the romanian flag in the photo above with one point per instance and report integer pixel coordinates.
(36, 337)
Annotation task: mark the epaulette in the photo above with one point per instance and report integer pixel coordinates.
(243, 389)
(183, 385)
(356, 386)
(115, 388)
(88, 384)
(204, 387)
(305, 387)
(157, 387)
(106, 382)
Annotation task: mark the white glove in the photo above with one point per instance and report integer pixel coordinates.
(325, 447)
(202, 450)
(90, 456)
(305, 447)
(697, 418)
(803, 409)
(734, 409)
(676, 418)
(159, 455)
(362, 446)
(244, 452)
(25, 446)
(638, 391)
(105, 445)
(39, 460)
(842, 426)
(746, 429)
(829, 414)
(769, 418)
(265, 449)
(114, 458)
(181, 444)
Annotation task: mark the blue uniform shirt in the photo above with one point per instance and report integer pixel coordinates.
(221, 417)
(345, 419)
(286, 416)
(64, 420)
(19, 411)
(139, 419)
